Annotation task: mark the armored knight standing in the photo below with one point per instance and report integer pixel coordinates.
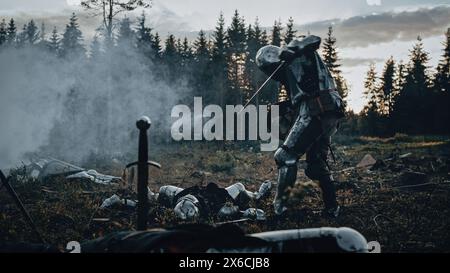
(313, 95)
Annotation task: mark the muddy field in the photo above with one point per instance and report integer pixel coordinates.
(401, 199)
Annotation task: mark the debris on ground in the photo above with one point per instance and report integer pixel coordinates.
(115, 199)
(45, 168)
(366, 161)
(374, 199)
(95, 177)
(253, 213)
(413, 178)
(405, 155)
(379, 164)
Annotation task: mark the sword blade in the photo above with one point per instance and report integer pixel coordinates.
(264, 84)
(19, 204)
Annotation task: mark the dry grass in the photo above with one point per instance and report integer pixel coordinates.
(410, 220)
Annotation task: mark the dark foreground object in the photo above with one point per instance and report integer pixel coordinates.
(20, 205)
(197, 238)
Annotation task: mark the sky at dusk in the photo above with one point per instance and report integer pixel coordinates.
(368, 31)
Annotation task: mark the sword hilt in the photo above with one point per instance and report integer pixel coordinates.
(143, 124)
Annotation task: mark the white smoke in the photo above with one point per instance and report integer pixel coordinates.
(72, 108)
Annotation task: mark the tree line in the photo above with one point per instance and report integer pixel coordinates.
(221, 68)
(408, 97)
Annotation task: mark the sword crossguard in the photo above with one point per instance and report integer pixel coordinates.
(150, 163)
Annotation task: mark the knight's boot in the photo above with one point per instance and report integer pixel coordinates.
(286, 178)
(287, 174)
(332, 208)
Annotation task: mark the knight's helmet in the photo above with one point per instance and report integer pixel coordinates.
(268, 58)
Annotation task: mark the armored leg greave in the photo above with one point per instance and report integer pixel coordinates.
(302, 135)
(328, 193)
(313, 136)
(286, 178)
(317, 169)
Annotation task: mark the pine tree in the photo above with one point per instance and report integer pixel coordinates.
(3, 32)
(21, 37)
(399, 78)
(181, 57)
(268, 95)
(219, 63)
(32, 33)
(257, 38)
(411, 108)
(179, 46)
(170, 49)
(330, 53)
(42, 41)
(417, 76)
(171, 58)
(370, 115)
(125, 36)
(276, 33)
(96, 49)
(186, 51)
(442, 76)
(54, 42)
(202, 75)
(43, 31)
(201, 47)
(274, 90)
(144, 37)
(250, 69)
(399, 84)
(290, 33)
(386, 96)
(72, 40)
(371, 90)
(260, 35)
(11, 32)
(331, 59)
(236, 34)
(156, 46)
(29, 34)
(251, 39)
(219, 39)
(441, 87)
(236, 59)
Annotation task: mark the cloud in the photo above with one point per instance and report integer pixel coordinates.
(356, 31)
(373, 2)
(31, 5)
(361, 31)
(159, 17)
(352, 62)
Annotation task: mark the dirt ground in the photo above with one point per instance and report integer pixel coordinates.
(401, 201)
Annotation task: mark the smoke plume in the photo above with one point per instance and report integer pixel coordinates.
(71, 108)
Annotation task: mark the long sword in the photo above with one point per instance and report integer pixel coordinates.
(12, 192)
(264, 84)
